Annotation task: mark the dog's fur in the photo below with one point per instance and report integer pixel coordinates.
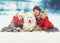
(29, 17)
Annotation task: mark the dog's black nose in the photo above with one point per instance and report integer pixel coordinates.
(29, 20)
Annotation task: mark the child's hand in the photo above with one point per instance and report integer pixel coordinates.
(19, 29)
(37, 28)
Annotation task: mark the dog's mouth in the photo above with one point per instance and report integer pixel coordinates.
(29, 21)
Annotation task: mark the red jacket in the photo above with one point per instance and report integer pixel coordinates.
(17, 21)
(45, 23)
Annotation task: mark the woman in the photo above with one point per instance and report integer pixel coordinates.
(42, 19)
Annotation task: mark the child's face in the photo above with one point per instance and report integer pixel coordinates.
(20, 17)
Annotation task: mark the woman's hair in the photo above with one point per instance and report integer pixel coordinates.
(37, 7)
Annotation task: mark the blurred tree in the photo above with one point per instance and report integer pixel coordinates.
(55, 4)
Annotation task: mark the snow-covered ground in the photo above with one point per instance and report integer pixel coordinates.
(29, 37)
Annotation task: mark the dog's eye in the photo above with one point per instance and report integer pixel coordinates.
(27, 17)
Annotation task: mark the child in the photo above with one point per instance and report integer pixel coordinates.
(18, 21)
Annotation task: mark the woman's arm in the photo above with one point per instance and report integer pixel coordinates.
(46, 24)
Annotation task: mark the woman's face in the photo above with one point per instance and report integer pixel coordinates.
(36, 12)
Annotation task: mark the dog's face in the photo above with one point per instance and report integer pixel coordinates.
(29, 18)
(29, 21)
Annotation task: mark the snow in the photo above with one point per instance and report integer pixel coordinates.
(28, 37)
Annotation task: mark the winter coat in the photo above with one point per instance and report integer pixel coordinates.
(17, 21)
(43, 21)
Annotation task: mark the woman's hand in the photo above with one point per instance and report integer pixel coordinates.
(38, 28)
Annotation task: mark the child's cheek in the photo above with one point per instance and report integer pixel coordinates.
(21, 17)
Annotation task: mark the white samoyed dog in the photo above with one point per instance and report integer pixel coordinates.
(29, 21)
